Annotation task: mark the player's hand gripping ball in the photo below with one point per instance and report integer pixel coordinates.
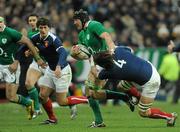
(80, 52)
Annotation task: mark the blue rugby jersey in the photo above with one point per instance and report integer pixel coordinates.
(128, 67)
(51, 49)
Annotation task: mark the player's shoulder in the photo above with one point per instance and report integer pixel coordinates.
(13, 33)
(53, 36)
(35, 36)
(10, 30)
(93, 23)
(126, 48)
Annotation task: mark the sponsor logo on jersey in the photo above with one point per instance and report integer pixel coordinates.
(88, 36)
(46, 43)
(4, 40)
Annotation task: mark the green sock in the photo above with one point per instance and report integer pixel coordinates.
(34, 95)
(24, 101)
(96, 110)
(116, 95)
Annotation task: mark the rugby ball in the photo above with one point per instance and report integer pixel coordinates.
(80, 52)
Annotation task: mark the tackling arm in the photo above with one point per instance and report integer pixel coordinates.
(109, 41)
(26, 41)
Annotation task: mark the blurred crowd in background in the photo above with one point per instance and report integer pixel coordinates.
(148, 23)
(139, 23)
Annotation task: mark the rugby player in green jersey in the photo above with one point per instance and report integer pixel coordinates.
(9, 40)
(34, 72)
(94, 36)
(30, 73)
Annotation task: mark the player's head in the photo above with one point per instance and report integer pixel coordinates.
(104, 59)
(80, 18)
(2, 23)
(32, 20)
(44, 25)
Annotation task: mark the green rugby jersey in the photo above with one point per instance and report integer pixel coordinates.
(90, 37)
(8, 45)
(32, 32)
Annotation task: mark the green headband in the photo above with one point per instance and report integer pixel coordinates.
(1, 19)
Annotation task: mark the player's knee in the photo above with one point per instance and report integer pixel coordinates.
(43, 97)
(28, 84)
(11, 97)
(62, 102)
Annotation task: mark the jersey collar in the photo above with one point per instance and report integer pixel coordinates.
(45, 37)
(87, 23)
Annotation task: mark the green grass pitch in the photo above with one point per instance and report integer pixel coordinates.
(117, 118)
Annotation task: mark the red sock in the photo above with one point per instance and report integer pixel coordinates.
(158, 114)
(49, 110)
(77, 100)
(134, 92)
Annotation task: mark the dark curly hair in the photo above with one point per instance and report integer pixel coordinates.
(82, 15)
(43, 21)
(104, 59)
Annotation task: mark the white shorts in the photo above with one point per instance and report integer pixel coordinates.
(35, 66)
(151, 88)
(60, 85)
(7, 76)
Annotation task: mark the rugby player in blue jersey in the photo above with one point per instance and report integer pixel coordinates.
(123, 65)
(57, 76)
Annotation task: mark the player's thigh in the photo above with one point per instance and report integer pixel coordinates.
(46, 85)
(32, 77)
(61, 98)
(62, 84)
(97, 94)
(94, 83)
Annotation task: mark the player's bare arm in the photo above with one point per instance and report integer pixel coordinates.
(108, 40)
(25, 40)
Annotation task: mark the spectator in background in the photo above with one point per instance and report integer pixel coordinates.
(173, 48)
(169, 71)
(163, 35)
(145, 22)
